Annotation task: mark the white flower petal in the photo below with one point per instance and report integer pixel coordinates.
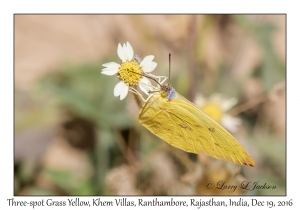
(199, 100)
(231, 123)
(124, 92)
(111, 68)
(215, 98)
(120, 52)
(150, 66)
(228, 104)
(110, 64)
(147, 59)
(145, 85)
(143, 88)
(119, 88)
(128, 52)
(110, 71)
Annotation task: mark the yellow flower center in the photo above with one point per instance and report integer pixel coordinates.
(213, 110)
(130, 72)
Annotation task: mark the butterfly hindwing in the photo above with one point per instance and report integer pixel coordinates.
(183, 125)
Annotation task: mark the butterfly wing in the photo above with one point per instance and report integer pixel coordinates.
(181, 124)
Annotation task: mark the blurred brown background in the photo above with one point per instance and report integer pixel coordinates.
(73, 137)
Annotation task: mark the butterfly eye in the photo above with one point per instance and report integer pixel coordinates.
(163, 94)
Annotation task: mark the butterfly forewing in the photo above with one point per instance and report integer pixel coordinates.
(228, 146)
(183, 125)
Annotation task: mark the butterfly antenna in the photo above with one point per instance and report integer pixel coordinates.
(169, 67)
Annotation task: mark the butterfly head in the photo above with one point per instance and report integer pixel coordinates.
(167, 91)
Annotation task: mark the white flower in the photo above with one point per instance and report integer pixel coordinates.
(216, 107)
(130, 71)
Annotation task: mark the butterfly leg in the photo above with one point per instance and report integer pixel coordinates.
(159, 78)
(131, 89)
(149, 87)
(165, 78)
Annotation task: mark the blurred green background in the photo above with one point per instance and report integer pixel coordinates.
(73, 137)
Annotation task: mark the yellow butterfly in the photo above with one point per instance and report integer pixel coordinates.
(181, 124)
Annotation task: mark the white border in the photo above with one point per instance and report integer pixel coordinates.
(8, 8)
